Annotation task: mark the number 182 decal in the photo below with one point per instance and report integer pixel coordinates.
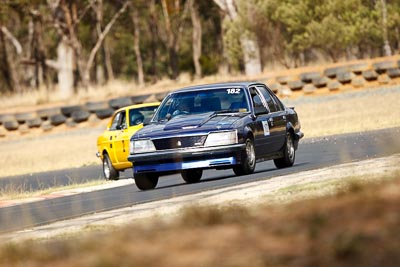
(233, 91)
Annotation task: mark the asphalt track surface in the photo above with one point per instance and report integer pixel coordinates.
(312, 154)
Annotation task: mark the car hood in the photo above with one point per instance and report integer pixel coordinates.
(189, 124)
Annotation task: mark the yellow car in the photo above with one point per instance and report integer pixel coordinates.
(113, 144)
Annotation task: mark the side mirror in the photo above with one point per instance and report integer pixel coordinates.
(146, 121)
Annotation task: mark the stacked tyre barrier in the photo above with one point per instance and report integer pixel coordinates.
(335, 78)
(332, 78)
(70, 116)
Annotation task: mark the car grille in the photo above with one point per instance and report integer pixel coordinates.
(179, 142)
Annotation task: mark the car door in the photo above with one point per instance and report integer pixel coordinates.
(276, 119)
(121, 142)
(263, 130)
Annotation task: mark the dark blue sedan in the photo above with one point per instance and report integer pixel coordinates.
(215, 126)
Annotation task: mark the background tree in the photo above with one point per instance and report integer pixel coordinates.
(77, 43)
(248, 43)
(196, 23)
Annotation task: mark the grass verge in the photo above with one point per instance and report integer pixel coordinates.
(22, 192)
(356, 226)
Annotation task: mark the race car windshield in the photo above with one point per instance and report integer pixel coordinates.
(196, 102)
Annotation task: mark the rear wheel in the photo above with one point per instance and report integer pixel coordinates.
(192, 176)
(289, 153)
(248, 160)
(109, 172)
(146, 181)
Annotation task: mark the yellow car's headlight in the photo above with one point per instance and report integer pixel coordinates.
(221, 138)
(141, 146)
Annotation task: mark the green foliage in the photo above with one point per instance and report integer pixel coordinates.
(286, 30)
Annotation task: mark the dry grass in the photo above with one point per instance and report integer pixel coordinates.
(352, 113)
(50, 152)
(22, 192)
(357, 227)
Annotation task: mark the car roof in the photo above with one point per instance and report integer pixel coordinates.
(156, 104)
(215, 86)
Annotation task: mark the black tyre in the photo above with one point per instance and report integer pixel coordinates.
(275, 87)
(296, 85)
(248, 160)
(370, 75)
(320, 82)
(44, 114)
(393, 73)
(284, 79)
(68, 110)
(11, 125)
(289, 153)
(345, 77)
(109, 172)
(57, 119)
(139, 99)
(93, 106)
(192, 176)
(80, 115)
(104, 113)
(117, 103)
(359, 68)
(146, 181)
(334, 85)
(307, 77)
(34, 123)
(6, 117)
(23, 117)
(383, 66)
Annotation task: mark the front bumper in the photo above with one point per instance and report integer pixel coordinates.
(187, 158)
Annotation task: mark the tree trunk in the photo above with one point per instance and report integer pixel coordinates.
(65, 75)
(251, 51)
(173, 60)
(7, 67)
(174, 28)
(196, 37)
(154, 38)
(107, 59)
(38, 51)
(103, 34)
(100, 57)
(251, 54)
(136, 46)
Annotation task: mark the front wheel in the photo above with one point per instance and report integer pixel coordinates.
(248, 163)
(146, 181)
(192, 176)
(109, 172)
(289, 153)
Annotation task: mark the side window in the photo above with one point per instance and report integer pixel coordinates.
(122, 122)
(257, 101)
(279, 104)
(115, 121)
(268, 98)
(119, 121)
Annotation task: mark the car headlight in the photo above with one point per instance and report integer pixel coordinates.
(141, 146)
(221, 138)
